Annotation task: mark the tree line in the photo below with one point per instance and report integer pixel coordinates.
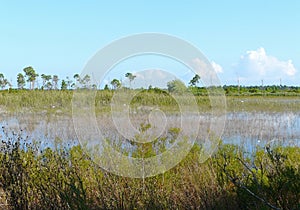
(49, 82)
(52, 82)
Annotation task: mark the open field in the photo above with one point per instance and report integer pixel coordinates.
(255, 165)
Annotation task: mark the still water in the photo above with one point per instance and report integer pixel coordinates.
(246, 129)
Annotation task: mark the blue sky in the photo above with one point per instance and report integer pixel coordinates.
(249, 40)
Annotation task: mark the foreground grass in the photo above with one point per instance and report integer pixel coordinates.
(66, 178)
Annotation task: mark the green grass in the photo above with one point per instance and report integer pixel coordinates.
(14, 101)
(32, 177)
(66, 178)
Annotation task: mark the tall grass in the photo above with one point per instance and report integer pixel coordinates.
(39, 100)
(66, 178)
(45, 176)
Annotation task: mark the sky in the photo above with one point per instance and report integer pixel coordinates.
(249, 41)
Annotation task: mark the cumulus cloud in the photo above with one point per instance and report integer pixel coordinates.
(258, 64)
(217, 67)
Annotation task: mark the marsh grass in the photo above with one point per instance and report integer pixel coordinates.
(15, 101)
(66, 178)
(42, 166)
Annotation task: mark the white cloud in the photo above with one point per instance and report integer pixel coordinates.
(217, 67)
(258, 64)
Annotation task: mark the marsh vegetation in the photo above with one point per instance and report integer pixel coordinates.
(42, 165)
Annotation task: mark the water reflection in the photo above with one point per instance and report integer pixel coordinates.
(246, 129)
(250, 130)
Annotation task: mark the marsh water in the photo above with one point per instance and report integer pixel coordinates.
(246, 129)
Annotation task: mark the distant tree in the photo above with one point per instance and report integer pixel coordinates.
(176, 86)
(3, 81)
(106, 87)
(64, 85)
(21, 81)
(31, 76)
(69, 82)
(76, 76)
(195, 80)
(48, 85)
(46, 79)
(85, 81)
(94, 86)
(55, 81)
(77, 80)
(116, 84)
(131, 77)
